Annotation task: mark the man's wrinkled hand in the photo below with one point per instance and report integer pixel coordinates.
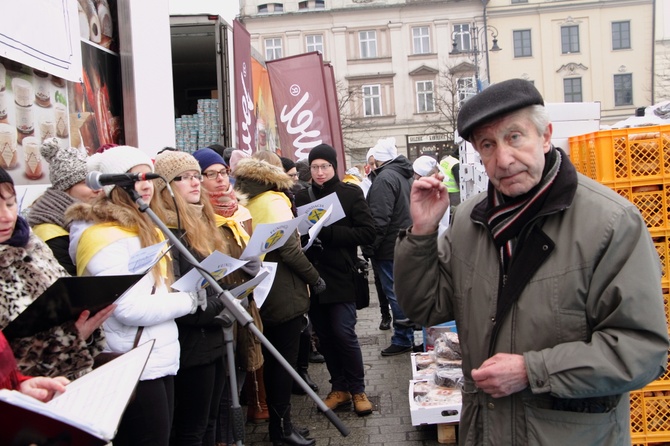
(501, 375)
(429, 201)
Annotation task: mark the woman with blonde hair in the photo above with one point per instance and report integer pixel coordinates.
(201, 380)
(103, 237)
(234, 218)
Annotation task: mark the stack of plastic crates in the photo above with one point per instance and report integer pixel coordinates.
(635, 163)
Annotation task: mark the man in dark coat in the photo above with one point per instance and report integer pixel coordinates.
(388, 198)
(333, 312)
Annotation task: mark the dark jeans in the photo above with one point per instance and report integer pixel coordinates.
(197, 394)
(381, 295)
(305, 347)
(148, 418)
(335, 325)
(285, 337)
(401, 336)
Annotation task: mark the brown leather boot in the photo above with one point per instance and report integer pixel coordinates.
(257, 409)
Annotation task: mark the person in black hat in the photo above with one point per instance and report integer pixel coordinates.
(333, 311)
(551, 277)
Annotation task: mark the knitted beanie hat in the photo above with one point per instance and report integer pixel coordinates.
(235, 158)
(287, 163)
(67, 167)
(170, 164)
(119, 159)
(206, 157)
(323, 152)
(4, 176)
(304, 173)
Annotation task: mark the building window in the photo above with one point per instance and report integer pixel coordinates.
(372, 100)
(311, 4)
(620, 35)
(368, 44)
(273, 49)
(623, 89)
(263, 9)
(522, 44)
(519, 1)
(421, 40)
(467, 87)
(270, 7)
(425, 99)
(572, 89)
(569, 39)
(462, 37)
(279, 7)
(314, 42)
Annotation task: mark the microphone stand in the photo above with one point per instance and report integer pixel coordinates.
(234, 311)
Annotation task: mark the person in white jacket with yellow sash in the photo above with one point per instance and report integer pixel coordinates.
(103, 236)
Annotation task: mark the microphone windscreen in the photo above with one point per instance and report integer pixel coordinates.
(93, 180)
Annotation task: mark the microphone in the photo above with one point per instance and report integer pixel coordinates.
(97, 180)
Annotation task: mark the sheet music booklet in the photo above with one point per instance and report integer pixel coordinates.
(87, 413)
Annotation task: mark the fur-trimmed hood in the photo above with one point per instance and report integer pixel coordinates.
(253, 177)
(103, 211)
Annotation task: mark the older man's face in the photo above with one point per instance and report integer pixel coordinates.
(512, 152)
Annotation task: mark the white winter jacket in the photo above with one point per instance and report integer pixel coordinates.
(138, 307)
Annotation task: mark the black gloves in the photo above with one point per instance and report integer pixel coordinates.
(319, 286)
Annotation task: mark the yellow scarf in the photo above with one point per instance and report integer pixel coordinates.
(47, 231)
(96, 237)
(241, 236)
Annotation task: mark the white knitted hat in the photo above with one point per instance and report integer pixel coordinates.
(119, 159)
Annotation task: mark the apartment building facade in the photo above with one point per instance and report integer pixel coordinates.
(580, 51)
(403, 67)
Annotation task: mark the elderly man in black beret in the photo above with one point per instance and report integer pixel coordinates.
(552, 279)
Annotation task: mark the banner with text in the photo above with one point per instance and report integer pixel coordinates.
(301, 104)
(334, 117)
(244, 100)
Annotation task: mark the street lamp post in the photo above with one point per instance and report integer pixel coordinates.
(476, 35)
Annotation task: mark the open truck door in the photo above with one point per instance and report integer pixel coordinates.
(202, 67)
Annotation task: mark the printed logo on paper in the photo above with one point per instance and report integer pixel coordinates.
(218, 275)
(273, 239)
(315, 215)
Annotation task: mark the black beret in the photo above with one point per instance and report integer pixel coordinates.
(494, 102)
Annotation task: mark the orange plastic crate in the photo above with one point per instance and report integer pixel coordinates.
(662, 244)
(633, 154)
(650, 416)
(578, 153)
(652, 198)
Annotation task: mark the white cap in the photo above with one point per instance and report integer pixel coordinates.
(384, 150)
(423, 165)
